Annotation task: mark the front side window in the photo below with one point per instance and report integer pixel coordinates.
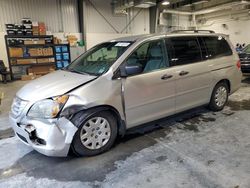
(150, 56)
(99, 59)
(217, 46)
(183, 50)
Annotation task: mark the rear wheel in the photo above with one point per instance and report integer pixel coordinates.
(219, 96)
(95, 135)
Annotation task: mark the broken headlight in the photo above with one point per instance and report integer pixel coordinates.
(48, 108)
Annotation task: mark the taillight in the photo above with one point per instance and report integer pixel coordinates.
(238, 64)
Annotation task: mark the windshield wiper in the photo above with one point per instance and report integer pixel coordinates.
(80, 72)
(75, 71)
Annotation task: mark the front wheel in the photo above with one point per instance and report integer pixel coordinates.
(219, 97)
(95, 135)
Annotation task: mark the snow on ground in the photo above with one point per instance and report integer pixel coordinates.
(217, 156)
(11, 149)
(4, 123)
(242, 94)
(23, 181)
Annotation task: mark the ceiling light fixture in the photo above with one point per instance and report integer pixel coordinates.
(165, 3)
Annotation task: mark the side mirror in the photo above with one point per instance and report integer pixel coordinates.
(133, 69)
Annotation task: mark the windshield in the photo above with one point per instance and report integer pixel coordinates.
(247, 49)
(99, 59)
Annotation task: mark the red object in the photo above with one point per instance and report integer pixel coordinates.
(238, 64)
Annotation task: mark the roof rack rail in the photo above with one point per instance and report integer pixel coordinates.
(195, 31)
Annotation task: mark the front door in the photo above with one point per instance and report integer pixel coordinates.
(149, 95)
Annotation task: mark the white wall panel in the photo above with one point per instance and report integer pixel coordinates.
(69, 15)
(58, 15)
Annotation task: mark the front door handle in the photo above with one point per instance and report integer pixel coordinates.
(166, 76)
(182, 73)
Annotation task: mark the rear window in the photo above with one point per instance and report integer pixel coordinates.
(217, 47)
(183, 50)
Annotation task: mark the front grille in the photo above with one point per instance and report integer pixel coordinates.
(17, 106)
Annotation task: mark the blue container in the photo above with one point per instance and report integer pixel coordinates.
(64, 48)
(59, 57)
(58, 49)
(59, 64)
(65, 56)
(65, 63)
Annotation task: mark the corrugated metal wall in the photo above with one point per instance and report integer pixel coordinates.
(58, 15)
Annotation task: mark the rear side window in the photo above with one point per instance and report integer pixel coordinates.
(217, 47)
(183, 50)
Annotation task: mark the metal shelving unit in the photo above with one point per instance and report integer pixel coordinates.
(22, 68)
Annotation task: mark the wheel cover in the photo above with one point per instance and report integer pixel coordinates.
(95, 133)
(221, 96)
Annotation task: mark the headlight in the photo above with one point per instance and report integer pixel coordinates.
(48, 108)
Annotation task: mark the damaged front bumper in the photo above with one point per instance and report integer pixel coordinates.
(50, 137)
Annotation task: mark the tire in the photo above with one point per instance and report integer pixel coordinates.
(91, 143)
(219, 97)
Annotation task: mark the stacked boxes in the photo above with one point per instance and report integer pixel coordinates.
(40, 51)
(20, 29)
(27, 27)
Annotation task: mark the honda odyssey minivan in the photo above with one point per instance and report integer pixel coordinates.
(121, 84)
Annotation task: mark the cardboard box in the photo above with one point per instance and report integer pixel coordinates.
(33, 52)
(39, 51)
(41, 70)
(15, 52)
(43, 60)
(42, 32)
(35, 30)
(48, 51)
(31, 42)
(28, 77)
(34, 24)
(52, 60)
(26, 61)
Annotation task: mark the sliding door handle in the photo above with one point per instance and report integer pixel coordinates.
(166, 76)
(182, 73)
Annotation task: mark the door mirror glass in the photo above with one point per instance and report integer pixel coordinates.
(133, 69)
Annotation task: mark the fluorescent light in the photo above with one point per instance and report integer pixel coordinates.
(165, 3)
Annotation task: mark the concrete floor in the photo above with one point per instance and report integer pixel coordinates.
(198, 148)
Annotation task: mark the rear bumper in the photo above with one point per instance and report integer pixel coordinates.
(49, 137)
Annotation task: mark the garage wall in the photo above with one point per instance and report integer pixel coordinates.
(60, 16)
(98, 29)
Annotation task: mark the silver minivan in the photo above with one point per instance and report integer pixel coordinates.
(121, 84)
